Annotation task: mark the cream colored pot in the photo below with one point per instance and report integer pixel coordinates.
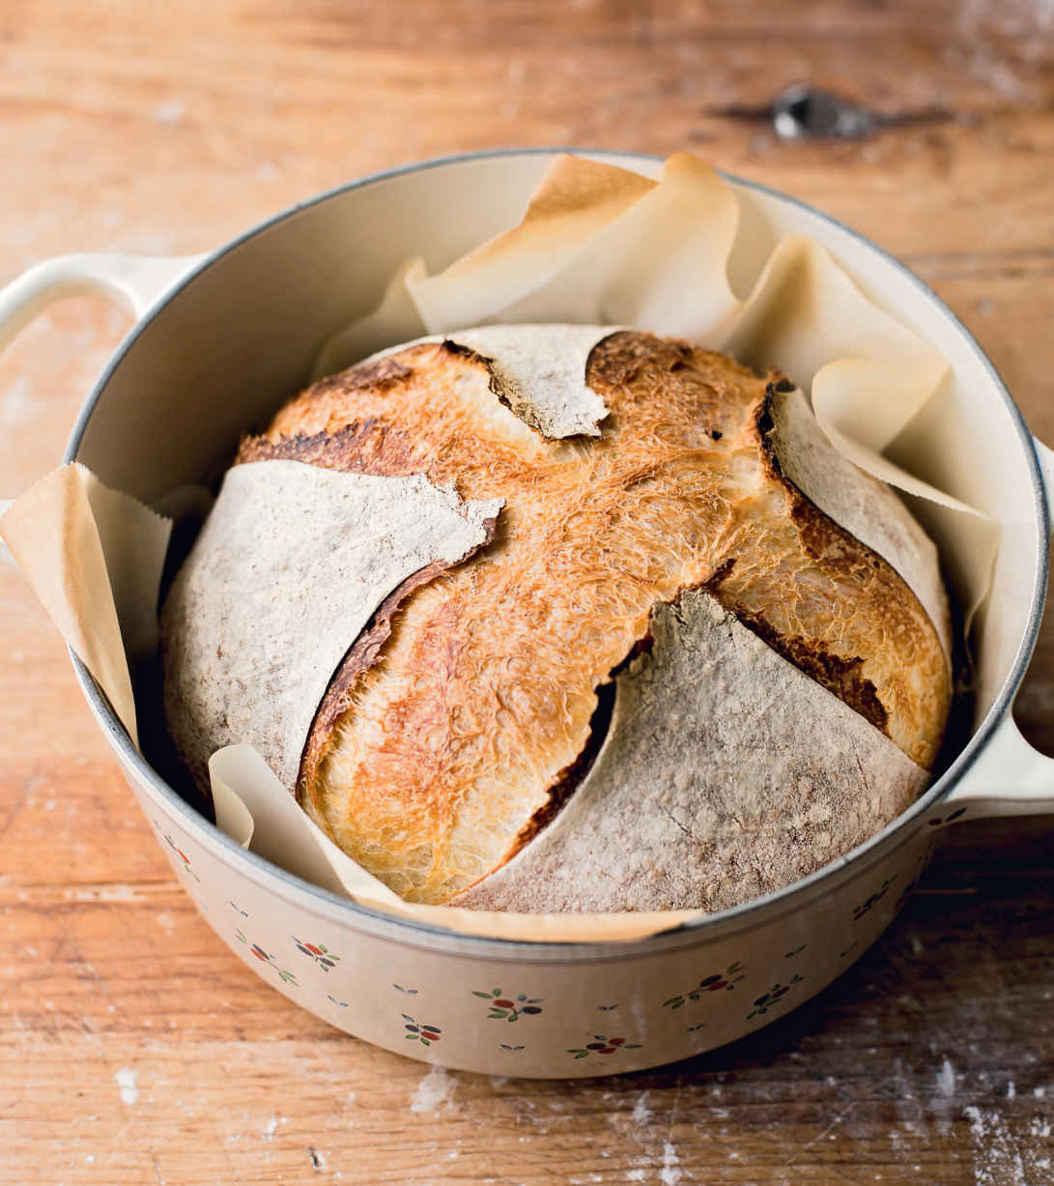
(220, 340)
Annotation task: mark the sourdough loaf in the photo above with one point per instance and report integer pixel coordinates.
(658, 646)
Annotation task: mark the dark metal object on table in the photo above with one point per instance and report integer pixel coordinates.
(802, 113)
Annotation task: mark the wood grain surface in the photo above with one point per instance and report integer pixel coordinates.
(133, 1048)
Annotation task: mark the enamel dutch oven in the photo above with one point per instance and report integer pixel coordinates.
(220, 340)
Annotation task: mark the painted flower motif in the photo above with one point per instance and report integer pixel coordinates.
(415, 1032)
(715, 982)
(506, 1046)
(185, 860)
(876, 897)
(607, 1008)
(691, 1029)
(797, 951)
(234, 906)
(331, 997)
(509, 1008)
(603, 1045)
(318, 952)
(266, 958)
(410, 992)
(774, 995)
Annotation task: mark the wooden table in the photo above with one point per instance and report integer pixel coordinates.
(134, 1049)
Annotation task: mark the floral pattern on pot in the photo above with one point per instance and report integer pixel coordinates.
(602, 1045)
(184, 859)
(715, 982)
(876, 897)
(511, 1049)
(416, 1032)
(266, 958)
(410, 992)
(509, 1008)
(774, 995)
(333, 999)
(318, 952)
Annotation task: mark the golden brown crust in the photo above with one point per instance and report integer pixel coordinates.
(440, 752)
(360, 658)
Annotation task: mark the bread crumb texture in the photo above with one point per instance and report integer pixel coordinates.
(445, 748)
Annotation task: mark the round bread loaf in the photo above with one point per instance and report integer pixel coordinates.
(691, 655)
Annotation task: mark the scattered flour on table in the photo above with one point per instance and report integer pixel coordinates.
(641, 1111)
(997, 1160)
(946, 1080)
(271, 1127)
(434, 1089)
(670, 1174)
(128, 1082)
(943, 1099)
(170, 111)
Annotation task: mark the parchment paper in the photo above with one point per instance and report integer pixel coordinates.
(597, 245)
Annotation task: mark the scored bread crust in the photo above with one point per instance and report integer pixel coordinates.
(461, 734)
(702, 795)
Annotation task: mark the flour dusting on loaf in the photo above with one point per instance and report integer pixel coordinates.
(289, 570)
(703, 795)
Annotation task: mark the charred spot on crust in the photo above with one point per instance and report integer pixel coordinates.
(814, 528)
(777, 384)
(643, 646)
(379, 375)
(455, 348)
(764, 423)
(365, 446)
(839, 676)
(571, 777)
(714, 583)
(495, 384)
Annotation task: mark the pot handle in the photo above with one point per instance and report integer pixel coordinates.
(1010, 777)
(135, 282)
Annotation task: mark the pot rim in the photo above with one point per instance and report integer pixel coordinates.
(260, 869)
